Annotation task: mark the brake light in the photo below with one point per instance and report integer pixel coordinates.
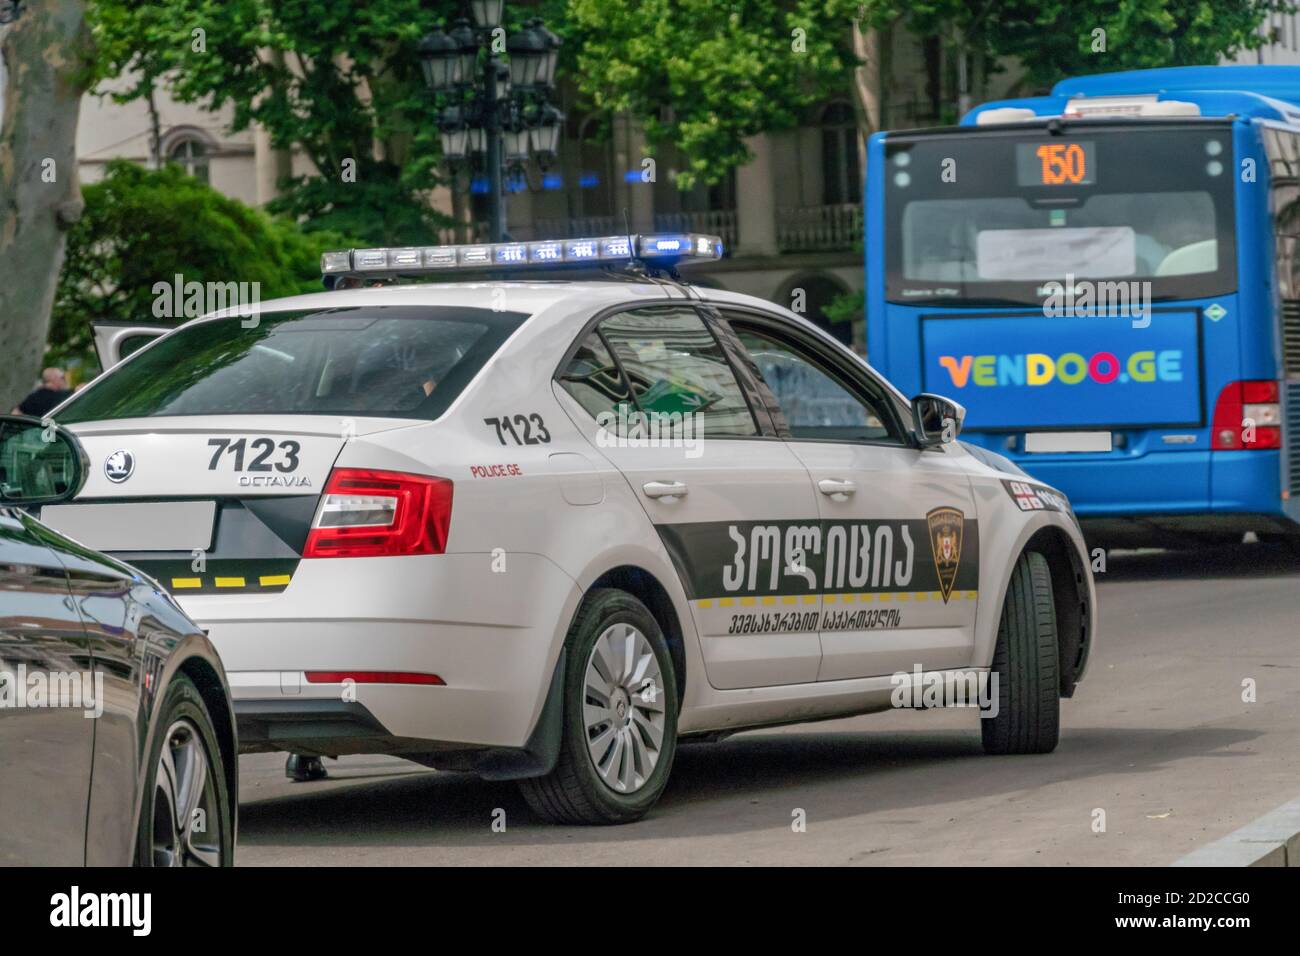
(1247, 415)
(366, 514)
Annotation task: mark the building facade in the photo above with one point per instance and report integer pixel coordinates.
(790, 218)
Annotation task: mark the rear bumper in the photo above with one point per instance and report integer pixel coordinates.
(316, 727)
(492, 638)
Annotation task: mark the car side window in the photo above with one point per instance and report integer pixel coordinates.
(594, 379)
(676, 368)
(815, 401)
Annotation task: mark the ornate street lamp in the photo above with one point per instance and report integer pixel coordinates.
(440, 61)
(527, 51)
(494, 108)
(486, 13)
(546, 133)
(546, 73)
(516, 140)
(466, 52)
(454, 134)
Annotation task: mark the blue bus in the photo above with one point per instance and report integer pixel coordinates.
(1108, 278)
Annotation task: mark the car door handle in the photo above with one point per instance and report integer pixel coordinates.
(664, 489)
(834, 486)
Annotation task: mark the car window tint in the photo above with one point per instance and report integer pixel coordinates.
(815, 403)
(677, 368)
(387, 361)
(593, 378)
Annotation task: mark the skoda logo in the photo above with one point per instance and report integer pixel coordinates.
(119, 465)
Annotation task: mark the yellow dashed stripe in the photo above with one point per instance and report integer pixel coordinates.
(770, 599)
(273, 580)
(229, 582)
(187, 582)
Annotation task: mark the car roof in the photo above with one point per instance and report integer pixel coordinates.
(530, 297)
(523, 296)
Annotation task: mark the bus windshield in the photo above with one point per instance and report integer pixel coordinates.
(995, 215)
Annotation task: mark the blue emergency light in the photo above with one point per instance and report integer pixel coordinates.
(662, 251)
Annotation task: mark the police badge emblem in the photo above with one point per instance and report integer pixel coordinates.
(946, 525)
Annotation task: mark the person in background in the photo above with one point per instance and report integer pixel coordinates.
(54, 389)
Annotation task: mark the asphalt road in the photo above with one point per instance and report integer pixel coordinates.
(1157, 737)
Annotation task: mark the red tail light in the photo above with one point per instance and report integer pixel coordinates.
(366, 514)
(1247, 415)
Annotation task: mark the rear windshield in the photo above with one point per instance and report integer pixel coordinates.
(995, 215)
(387, 362)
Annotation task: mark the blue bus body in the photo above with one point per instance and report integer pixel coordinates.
(1156, 396)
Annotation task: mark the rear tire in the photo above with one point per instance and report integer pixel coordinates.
(1026, 665)
(619, 732)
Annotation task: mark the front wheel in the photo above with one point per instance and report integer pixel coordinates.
(620, 717)
(1026, 666)
(187, 815)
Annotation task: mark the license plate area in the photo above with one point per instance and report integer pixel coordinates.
(1048, 443)
(136, 525)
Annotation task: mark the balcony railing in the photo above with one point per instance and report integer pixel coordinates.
(835, 228)
(819, 228)
(718, 222)
(570, 228)
(468, 232)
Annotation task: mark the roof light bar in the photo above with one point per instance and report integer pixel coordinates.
(659, 249)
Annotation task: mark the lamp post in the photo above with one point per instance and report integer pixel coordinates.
(492, 107)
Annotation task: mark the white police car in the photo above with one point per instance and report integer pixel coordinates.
(543, 530)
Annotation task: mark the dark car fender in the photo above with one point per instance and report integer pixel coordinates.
(164, 653)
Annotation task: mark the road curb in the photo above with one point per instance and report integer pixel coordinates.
(1272, 840)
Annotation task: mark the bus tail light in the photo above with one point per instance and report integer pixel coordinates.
(1247, 415)
(365, 514)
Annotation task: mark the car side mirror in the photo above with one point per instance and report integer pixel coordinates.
(936, 420)
(40, 463)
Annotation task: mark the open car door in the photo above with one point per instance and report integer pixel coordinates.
(114, 341)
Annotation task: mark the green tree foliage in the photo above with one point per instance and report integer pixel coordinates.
(706, 74)
(132, 51)
(141, 228)
(338, 82)
(1053, 39)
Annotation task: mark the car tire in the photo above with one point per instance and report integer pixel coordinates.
(610, 768)
(1026, 666)
(185, 774)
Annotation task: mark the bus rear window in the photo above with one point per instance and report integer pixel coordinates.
(965, 221)
(387, 362)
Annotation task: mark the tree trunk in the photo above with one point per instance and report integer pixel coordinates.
(155, 127)
(44, 57)
(871, 83)
(866, 81)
